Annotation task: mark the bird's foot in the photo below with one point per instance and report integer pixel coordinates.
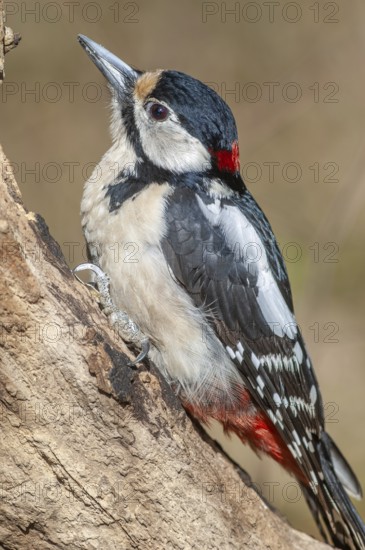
(127, 329)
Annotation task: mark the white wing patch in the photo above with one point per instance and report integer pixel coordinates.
(246, 243)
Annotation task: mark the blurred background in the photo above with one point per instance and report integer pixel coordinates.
(293, 75)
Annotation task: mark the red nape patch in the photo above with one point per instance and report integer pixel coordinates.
(228, 161)
(252, 427)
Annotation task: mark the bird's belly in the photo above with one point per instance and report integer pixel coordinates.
(184, 346)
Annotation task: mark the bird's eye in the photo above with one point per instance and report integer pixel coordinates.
(157, 111)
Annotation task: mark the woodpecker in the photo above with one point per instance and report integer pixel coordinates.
(203, 279)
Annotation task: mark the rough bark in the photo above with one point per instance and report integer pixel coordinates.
(2, 41)
(95, 453)
(8, 40)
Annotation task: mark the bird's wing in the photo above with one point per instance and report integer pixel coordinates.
(225, 255)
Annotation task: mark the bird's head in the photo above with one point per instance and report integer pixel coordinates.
(171, 120)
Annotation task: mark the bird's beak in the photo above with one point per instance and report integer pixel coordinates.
(119, 75)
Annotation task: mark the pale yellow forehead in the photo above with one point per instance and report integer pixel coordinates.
(145, 84)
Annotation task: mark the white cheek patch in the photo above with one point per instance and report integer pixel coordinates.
(168, 145)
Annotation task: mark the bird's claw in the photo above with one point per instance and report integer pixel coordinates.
(145, 345)
(120, 320)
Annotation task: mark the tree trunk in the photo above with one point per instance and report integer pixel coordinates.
(2, 40)
(96, 454)
(8, 40)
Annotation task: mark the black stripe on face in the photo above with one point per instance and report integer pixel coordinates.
(127, 114)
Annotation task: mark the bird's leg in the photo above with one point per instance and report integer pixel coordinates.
(127, 329)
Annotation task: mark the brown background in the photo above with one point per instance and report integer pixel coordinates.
(260, 61)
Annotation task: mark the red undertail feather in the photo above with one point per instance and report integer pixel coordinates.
(252, 427)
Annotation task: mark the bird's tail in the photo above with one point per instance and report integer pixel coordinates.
(332, 509)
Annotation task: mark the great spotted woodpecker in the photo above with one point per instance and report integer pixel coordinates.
(206, 282)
